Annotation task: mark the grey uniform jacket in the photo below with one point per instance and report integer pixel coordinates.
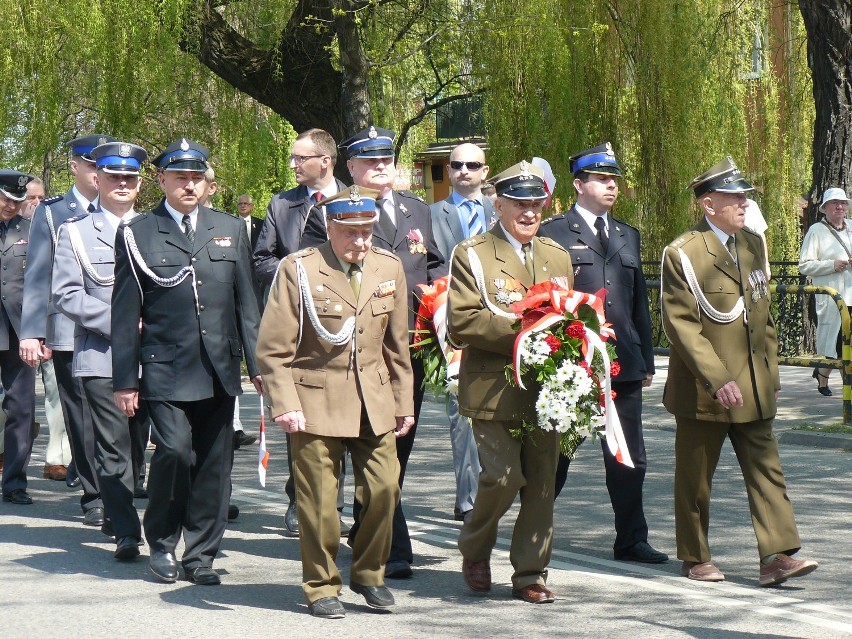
(40, 318)
(83, 299)
(13, 259)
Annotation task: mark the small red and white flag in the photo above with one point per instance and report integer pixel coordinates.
(262, 454)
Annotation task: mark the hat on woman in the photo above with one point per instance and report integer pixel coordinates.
(833, 193)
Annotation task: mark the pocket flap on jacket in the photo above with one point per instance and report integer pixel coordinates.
(155, 353)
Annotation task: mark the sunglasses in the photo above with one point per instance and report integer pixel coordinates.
(472, 166)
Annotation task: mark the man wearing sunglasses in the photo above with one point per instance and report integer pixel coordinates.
(465, 213)
(312, 159)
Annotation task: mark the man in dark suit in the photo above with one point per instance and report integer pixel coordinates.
(182, 270)
(45, 332)
(18, 378)
(245, 206)
(605, 254)
(723, 378)
(465, 213)
(82, 283)
(312, 160)
(405, 229)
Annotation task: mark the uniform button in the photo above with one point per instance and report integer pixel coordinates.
(360, 349)
(609, 303)
(302, 379)
(361, 369)
(360, 331)
(152, 356)
(383, 306)
(608, 282)
(223, 255)
(201, 308)
(200, 282)
(194, 259)
(204, 332)
(163, 261)
(4, 282)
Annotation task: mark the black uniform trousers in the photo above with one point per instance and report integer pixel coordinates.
(113, 459)
(189, 478)
(140, 430)
(624, 484)
(78, 425)
(401, 541)
(18, 381)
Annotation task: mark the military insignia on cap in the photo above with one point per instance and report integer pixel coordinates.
(102, 140)
(609, 148)
(373, 134)
(184, 145)
(124, 150)
(525, 170)
(22, 180)
(354, 193)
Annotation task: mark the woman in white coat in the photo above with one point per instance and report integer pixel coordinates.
(826, 258)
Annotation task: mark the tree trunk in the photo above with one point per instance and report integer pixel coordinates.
(829, 27)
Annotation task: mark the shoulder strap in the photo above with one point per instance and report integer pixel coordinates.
(836, 235)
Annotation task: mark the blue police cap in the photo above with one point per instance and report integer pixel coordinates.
(83, 146)
(13, 184)
(369, 143)
(119, 157)
(354, 205)
(183, 155)
(722, 177)
(523, 181)
(600, 159)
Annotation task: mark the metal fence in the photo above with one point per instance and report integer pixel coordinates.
(792, 308)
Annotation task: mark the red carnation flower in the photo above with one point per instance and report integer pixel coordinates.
(585, 366)
(554, 342)
(614, 369)
(576, 330)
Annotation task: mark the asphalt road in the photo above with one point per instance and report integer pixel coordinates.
(58, 576)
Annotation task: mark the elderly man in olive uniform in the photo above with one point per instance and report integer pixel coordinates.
(508, 258)
(183, 270)
(17, 378)
(333, 351)
(723, 378)
(82, 283)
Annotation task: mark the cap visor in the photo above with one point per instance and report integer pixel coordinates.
(187, 165)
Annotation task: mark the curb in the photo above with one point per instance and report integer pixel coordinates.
(816, 440)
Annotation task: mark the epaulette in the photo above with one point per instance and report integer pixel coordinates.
(552, 243)
(53, 200)
(552, 218)
(473, 241)
(412, 196)
(76, 218)
(684, 239)
(623, 223)
(382, 251)
(303, 253)
(220, 211)
(751, 231)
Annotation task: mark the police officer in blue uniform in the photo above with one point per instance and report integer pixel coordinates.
(17, 377)
(82, 283)
(183, 270)
(46, 332)
(605, 254)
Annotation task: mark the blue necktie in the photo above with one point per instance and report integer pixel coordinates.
(474, 224)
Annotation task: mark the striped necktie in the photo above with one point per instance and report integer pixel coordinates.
(474, 223)
(187, 229)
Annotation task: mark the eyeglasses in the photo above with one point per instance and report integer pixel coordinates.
(299, 160)
(472, 166)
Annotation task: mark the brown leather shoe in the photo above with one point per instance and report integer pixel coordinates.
(701, 571)
(534, 594)
(785, 567)
(56, 473)
(477, 574)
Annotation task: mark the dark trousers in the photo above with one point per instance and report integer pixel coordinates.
(189, 479)
(78, 425)
(113, 459)
(624, 484)
(140, 430)
(18, 381)
(401, 540)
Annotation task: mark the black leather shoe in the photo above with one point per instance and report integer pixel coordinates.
(327, 608)
(71, 479)
(233, 512)
(126, 549)
(107, 529)
(94, 516)
(642, 552)
(291, 520)
(164, 565)
(203, 576)
(18, 496)
(241, 439)
(375, 596)
(140, 493)
(398, 569)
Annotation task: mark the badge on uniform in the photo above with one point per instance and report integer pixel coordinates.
(415, 242)
(385, 288)
(222, 241)
(759, 284)
(491, 222)
(508, 291)
(21, 241)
